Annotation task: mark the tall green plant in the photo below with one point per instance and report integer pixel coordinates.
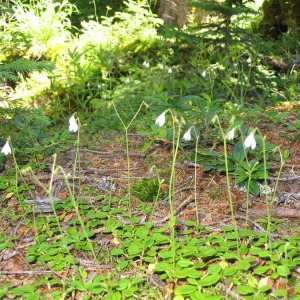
(112, 42)
(38, 29)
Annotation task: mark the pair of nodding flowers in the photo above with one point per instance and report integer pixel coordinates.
(248, 143)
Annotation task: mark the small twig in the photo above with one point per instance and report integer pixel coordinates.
(291, 178)
(189, 164)
(27, 273)
(164, 201)
(110, 154)
(255, 224)
(177, 210)
(9, 255)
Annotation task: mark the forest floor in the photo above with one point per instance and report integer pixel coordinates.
(103, 164)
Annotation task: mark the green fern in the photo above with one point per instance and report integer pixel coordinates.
(10, 71)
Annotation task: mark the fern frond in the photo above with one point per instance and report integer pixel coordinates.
(9, 71)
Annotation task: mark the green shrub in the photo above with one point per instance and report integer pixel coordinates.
(36, 30)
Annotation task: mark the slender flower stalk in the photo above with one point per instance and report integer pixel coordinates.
(6, 150)
(195, 178)
(126, 128)
(230, 198)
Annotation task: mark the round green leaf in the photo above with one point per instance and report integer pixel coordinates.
(264, 288)
(261, 270)
(297, 288)
(245, 290)
(243, 265)
(185, 289)
(30, 258)
(230, 271)
(283, 270)
(184, 263)
(209, 280)
(214, 269)
(116, 251)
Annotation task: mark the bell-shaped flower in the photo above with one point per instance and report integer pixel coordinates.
(161, 120)
(187, 136)
(73, 126)
(250, 141)
(230, 134)
(170, 71)
(146, 64)
(6, 149)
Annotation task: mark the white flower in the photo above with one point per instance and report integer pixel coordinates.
(73, 126)
(250, 141)
(6, 149)
(170, 71)
(146, 64)
(249, 60)
(88, 84)
(99, 86)
(230, 134)
(203, 74)
(127, 80)
(161, 66)
(161, 120)
(187, 136)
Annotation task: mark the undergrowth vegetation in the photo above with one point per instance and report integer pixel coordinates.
(203, 90)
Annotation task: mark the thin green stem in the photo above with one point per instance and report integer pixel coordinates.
(175, 147)
(76, 160)
(126, 127)
(195, 179)
(269, 203)
(80, 219)
(228, 183)
(95, 11)
(49, 191)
